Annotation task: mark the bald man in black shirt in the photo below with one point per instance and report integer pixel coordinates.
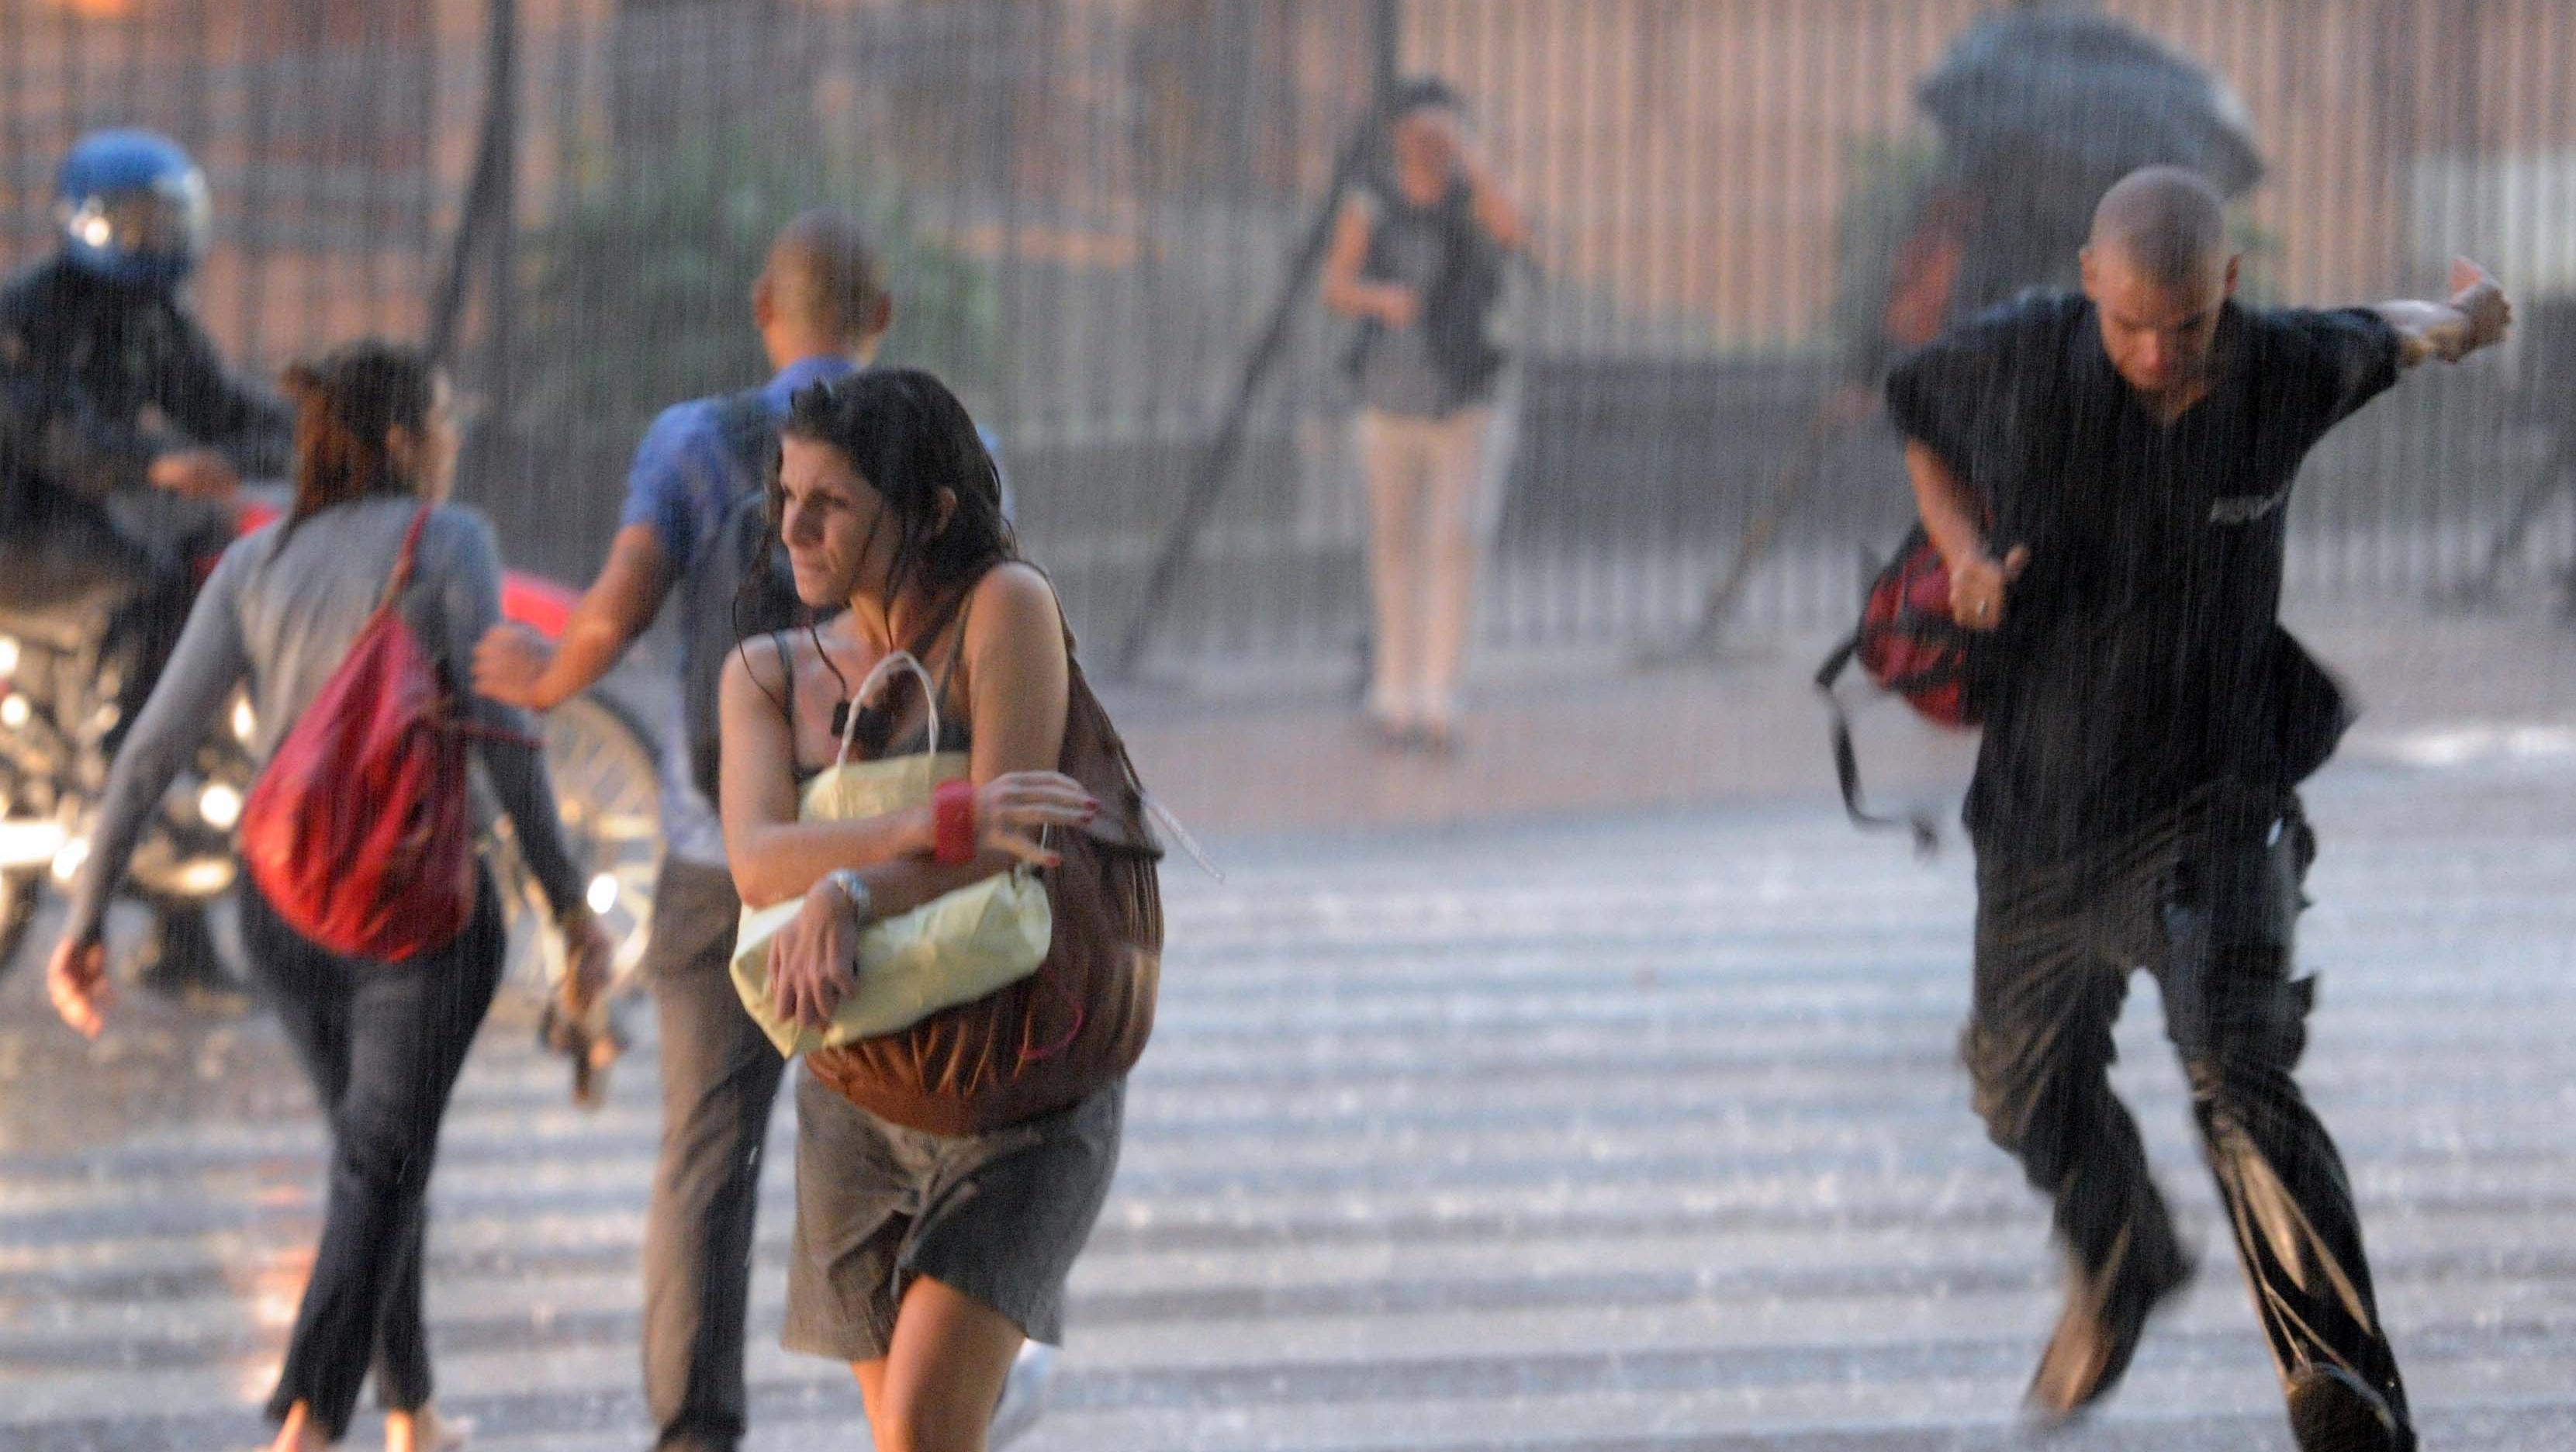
(2105, 476)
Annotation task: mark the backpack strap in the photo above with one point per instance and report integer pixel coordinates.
(786, 686)
(406, 558)
(749, 433)
(1927, 834)
(956, 649)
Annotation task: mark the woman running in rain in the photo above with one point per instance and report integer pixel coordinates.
(947, 1173)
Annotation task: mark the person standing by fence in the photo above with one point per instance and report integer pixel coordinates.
(2106, 477)
(1417, 256)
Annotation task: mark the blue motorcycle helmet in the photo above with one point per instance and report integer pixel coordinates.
(133, 208)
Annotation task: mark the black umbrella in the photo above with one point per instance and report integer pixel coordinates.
(2070, 98)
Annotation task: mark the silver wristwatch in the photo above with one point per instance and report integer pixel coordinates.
(854, 891)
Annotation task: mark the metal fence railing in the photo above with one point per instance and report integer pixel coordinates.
(1094, 208)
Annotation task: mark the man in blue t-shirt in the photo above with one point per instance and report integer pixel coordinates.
(2106, 477)
(822, 307)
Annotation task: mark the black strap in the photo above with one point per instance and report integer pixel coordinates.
(1927, 834)
(749, 433)
(957, 650)
(786, 685)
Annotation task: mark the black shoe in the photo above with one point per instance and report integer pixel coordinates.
(2099, 1331)
(2332, 1410)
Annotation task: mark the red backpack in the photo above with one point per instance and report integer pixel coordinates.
(358, 831)
(1908, 645)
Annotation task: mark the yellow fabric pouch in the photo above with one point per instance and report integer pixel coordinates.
(955, 949)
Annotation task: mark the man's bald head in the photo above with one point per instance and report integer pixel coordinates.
(2159, 274)
(2165, 222)
(825, 281)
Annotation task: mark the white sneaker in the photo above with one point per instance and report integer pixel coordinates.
(1025, 1393)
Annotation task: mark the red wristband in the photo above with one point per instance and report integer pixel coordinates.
(952, 823)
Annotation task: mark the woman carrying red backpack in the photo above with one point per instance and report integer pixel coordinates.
(368, 557)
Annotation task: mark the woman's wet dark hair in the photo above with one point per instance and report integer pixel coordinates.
(346, 402)
(909, 438)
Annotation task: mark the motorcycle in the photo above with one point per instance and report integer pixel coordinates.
(59, 687)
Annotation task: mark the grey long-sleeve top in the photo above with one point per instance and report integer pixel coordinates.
(283, 609)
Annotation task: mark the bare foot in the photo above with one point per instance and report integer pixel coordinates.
(298, 1432)
(425, 1431)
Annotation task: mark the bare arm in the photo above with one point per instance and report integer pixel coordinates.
(1017, 682)
(1016, 675)
(1342, 288)
(2475, 315)
(1950, 516)
(516, 666)
(774, 856)
(1017, 678)
(1496, 209)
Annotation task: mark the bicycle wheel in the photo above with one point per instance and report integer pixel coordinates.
(608, 792)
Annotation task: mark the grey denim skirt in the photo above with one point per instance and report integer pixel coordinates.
(998, 1217)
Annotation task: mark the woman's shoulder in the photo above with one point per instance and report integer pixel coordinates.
(1015, 589)
(767, 661)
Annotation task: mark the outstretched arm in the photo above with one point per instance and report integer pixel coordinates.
(519, 667)
(1950, 517)
(2475, 315)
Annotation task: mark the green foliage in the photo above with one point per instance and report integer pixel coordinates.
(1889, 176)
(2258, 248)
(638, 294)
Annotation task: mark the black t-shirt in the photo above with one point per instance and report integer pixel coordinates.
(2142, 657)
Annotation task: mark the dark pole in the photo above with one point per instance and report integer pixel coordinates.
(486, 202)
(1217, 465)
(1386, 45)
(503, 295)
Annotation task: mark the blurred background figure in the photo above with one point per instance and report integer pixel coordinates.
(382, 1040)
(1418, 257)
(123, 437)
(2038, 109)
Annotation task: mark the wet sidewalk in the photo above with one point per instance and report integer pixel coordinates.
(1591, 734)
(1554, 1113)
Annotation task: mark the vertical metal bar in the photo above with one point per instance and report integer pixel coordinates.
(76, 82)
(318, 149)
(420, 149)
(1512, 107)
(195, 118)
(131, 84)
(1643, 551)
(2560, 135)
(258, 216)
(501, 294)
(373, 160)
(14, 150)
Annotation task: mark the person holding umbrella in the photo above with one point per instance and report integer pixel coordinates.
(2106, 476)
(2039, 109)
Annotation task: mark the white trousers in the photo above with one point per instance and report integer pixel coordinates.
(1428, 485)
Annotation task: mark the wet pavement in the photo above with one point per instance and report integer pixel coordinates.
(1634, 1130)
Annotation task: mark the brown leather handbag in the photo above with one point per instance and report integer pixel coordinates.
(1073, 1027)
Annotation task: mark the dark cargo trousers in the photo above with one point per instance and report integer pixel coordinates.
(2204, 899)
(720, 1076)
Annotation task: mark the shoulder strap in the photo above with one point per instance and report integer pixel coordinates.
(786, 682)
(403, 561)
(957, 649)
(743, 422)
